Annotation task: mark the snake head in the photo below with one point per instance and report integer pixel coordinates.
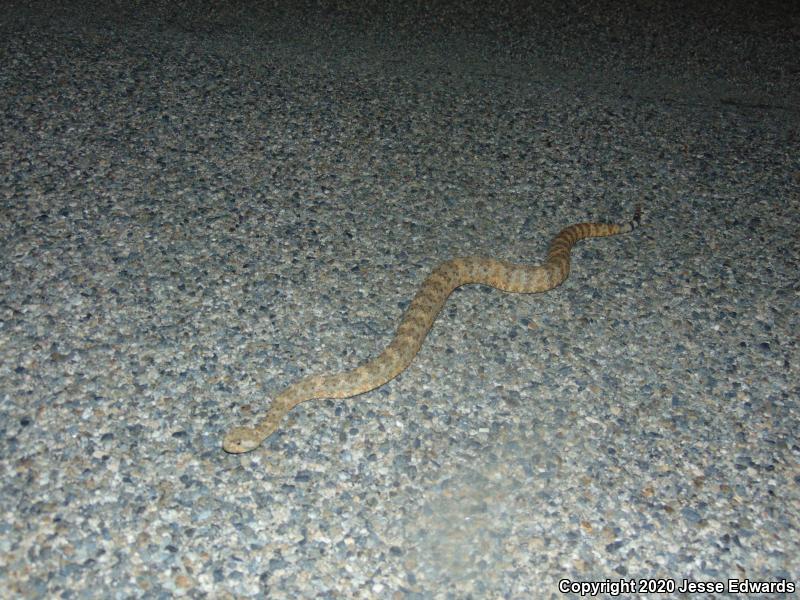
(239, 440)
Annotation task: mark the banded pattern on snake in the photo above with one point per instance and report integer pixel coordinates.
(418, 320)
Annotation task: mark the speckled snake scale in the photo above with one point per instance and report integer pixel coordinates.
(418, 320)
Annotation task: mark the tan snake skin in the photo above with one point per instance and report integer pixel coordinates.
(418, 320)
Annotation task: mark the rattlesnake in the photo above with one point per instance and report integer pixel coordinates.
(418, 320)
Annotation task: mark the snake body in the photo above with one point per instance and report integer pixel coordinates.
(418, 320)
